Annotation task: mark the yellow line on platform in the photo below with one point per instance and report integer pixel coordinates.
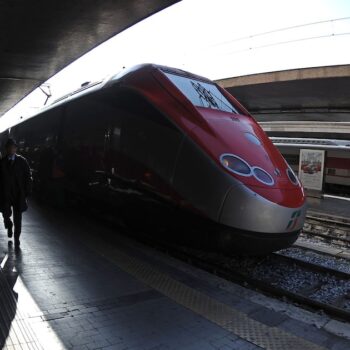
(266, 337)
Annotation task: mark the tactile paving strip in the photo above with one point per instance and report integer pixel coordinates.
(271, 338)
(15, 332)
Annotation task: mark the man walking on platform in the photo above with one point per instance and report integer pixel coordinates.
(15, 186)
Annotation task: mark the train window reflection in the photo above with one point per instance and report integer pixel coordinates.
(252, 138)
(201, 94)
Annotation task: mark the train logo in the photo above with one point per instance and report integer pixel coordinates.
(293, 220)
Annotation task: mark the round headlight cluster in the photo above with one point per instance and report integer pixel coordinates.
(239, 166)
(292, 177)
(236, 164)
(263, 176)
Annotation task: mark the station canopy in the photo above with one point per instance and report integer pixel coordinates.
(39, 38)
(305, 94)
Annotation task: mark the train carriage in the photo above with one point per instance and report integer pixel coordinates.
(164, 144)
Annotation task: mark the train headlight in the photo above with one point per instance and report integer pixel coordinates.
(292, 177)
(263, 176)
(236, 164)
(239, 166)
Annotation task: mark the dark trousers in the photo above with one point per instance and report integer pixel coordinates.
(17, 219)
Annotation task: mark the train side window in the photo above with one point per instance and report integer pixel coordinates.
(86, 124)
(150, 139)
(38, 135)
(41, 130)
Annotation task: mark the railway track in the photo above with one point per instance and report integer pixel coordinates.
(311, 285)
(329, 229)
(308, 283)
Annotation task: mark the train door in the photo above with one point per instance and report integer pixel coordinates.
(84, 137)
(113, 154)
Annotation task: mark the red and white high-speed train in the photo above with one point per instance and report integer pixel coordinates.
(173, 148)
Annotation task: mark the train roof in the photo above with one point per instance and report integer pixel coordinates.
(122, 75)
(89, 87)
(301, 142)
(151, 66)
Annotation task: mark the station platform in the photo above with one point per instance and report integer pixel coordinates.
(330, 205)
(78, 284)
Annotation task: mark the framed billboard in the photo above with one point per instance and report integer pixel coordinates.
(311, 168)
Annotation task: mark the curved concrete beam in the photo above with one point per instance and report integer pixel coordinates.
(286, 75)
(39, 38)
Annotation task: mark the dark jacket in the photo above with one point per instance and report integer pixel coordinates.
(15, 182)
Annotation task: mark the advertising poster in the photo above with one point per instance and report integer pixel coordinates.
(311, 166)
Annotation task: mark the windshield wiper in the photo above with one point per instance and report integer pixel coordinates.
(205, 95)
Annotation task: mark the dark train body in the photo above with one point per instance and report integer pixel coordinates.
(169, 149)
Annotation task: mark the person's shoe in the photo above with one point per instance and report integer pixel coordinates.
(9, 232)
(17, 242)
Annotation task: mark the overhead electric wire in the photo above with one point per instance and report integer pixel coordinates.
(280, 30)
(287, 42)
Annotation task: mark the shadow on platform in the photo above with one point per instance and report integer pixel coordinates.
(8, 297)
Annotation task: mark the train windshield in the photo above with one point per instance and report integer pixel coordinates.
(201, 94)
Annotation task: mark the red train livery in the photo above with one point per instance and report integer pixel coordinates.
(168, 149)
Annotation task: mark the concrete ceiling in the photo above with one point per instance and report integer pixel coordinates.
(39, 38)
(309, 94)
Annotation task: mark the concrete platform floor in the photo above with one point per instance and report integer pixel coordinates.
(77, 284)
(330, 205)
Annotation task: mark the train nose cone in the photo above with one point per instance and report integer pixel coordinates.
(247, 210)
